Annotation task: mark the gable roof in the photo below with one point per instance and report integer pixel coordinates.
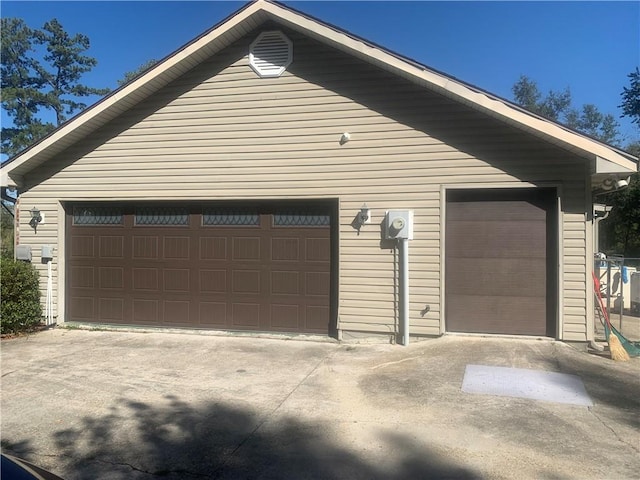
(603, 158)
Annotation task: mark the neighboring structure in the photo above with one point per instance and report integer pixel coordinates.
(222, 189)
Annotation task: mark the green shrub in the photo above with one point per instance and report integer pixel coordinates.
(20, 308)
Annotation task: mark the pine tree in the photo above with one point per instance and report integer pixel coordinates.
(30, 86)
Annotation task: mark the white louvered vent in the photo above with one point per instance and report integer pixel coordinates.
(270, 54)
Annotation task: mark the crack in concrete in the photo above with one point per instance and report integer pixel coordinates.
(158, 473)
(218, 471)
(386, 364)
(591, 409)
(556, 357)
(615, 434)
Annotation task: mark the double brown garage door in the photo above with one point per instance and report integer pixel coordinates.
(203, 266)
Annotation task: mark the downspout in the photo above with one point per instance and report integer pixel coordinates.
(599, 214)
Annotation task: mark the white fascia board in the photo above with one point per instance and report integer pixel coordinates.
(602, 165)
(5, 179)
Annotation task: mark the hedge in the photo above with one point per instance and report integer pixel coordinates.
(20, 308)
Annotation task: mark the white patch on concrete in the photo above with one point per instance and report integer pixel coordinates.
(524, 383)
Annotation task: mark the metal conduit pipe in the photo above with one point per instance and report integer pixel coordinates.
(403, 245)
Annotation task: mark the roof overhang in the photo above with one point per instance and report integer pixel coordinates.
(603, 166)
(601, 157)
(5, 180)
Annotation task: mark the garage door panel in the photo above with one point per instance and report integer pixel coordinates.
(318, 249)
(526, 277)
(82, 277)
(111, 310)
(484, 314)
(497, 239)
(317, 283)
(176, 312)
(213, 314)
(245, 315)
(472, 207)
(145, 279)
(285, 283)
(145, 247)
(213, 248)
(146, 311)
(176, 248)
(213, 281)
(111, 246)
(316, 318)
(200, 266)
(285, 317)
(111, 277)
(246, 281)
(246, 248)
(82, 309)
(285, 249)
(177, 280)
(83, 247)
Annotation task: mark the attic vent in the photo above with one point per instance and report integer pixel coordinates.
(270, 54)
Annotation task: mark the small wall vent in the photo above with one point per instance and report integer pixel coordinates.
(270, 54)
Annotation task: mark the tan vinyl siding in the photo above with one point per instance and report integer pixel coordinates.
(221, 132)
(576, 279)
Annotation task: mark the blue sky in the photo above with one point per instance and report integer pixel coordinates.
(589, 47)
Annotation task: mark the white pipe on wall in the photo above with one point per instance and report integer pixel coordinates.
(403, 245)
(49, 300)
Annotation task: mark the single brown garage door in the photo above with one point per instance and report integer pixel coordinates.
(500, 262)
(203, 266)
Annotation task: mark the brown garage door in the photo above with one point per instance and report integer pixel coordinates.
(203, 266)
(500, 262)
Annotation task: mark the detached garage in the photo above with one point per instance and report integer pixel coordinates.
(243, 183)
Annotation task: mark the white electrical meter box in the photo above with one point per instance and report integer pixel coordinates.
(398, 224)
(23, 252)
(47, 252)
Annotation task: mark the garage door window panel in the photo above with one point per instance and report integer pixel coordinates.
(242, 217)
(95, 215)
(301, 218)
(162, 216)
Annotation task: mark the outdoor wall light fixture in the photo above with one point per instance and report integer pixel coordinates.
(36, 218)
(346, 136)
(364, 215)
(622, 183)
(615, 183)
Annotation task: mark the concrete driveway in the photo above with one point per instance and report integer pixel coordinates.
(116, 405)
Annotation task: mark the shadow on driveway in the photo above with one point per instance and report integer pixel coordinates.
(220, 441)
